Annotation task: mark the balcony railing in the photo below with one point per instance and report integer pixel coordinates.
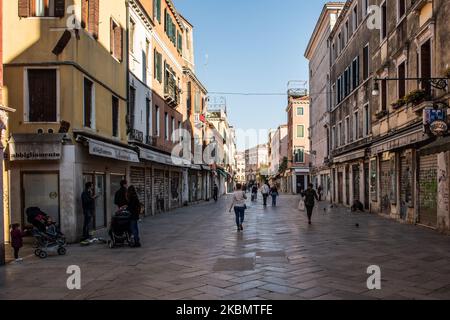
(136, 135)
(171, 92)
(151, 141)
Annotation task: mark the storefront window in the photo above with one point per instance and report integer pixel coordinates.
(98, 181)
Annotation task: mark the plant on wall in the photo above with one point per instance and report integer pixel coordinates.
(381, 114)
(416, 96)
(399, 103)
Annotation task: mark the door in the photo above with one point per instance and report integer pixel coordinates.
(300, 183)
(175, 190)
(115, 186)
(340, 187)
(366, 186)
(406, 184)
(385, 183)
(428, 187)
(137, 179)
(356, 183)
(347, 186)
(41, 190)
(159, 191)
(98, 180)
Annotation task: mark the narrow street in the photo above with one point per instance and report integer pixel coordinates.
(196, 253)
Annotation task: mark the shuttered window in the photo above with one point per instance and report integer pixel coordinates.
(157, 10)
(41, 8)
(42, 95)
(402, 81)
(88, 103)
(300, 131)
(90, 10)
(158, 65)
(366, 62)
(115, 116)
(116, 38)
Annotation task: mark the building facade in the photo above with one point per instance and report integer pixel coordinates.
(351, 42)
(298, 143)
(240, 168)
(409, 165)
(318, 54)
(257, 164)
(278, 156)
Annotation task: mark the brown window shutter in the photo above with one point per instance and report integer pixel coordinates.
(60, 8)
(24, 8)
(118, 43)
(112, 36)
(96, 18)
(84, 13)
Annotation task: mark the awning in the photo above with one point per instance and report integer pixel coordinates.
(196, 167)
(396, 142)
(442, 144)
(29, 147)
(222, 172)
(206, 167)
(350, 156)
(155, 156)
(107, 150)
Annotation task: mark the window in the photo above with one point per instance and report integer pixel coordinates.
(197, 102)
(383, 21)
(42, 95)
(131, 108)
(158, 66)
(300, 111)
(355, 73)
(356, 125)
(170, 27)
(365, 7)
(189, 98)
(339, 135)
(347, 133)
(425, 65)
(157, 10)
(300, 131)
(90, 16)
(366, 62)
(115, 117)
(41, 8)
(166, 126)
(179, 42)
(145, 61)
(355, 18)
(148, 110)
(384, 95)
(401, 9)
(339, 43)
(299, 155)
(116, 41)
(347, 33)
(131, 35)
(158, 120)
(179, 128)
(173, 129)
(401, 72)
(333, 137)
(333, 53)
(328, 142)
(333, 95)
(366, 120)
(88, 103)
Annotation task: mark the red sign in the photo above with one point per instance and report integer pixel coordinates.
(203, 118)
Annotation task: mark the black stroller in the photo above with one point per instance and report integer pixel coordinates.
(47, 235)
(119, 231)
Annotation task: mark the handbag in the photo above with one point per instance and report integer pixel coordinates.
(301, 205)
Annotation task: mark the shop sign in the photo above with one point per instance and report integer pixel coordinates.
(435, 121)
(34, 151)
(101, 149)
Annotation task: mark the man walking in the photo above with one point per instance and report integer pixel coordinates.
(216, 192)
(120, 199)
(310, 197)
(88, 203)
(265, 193)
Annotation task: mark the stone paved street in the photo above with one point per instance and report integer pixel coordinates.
(196, 253)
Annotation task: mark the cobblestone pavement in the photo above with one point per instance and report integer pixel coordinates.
(196, 253)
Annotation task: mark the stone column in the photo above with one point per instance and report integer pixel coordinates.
(69, 193)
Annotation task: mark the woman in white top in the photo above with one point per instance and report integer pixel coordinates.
(239, 205)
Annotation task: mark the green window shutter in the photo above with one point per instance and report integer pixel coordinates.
(300, 131)
(300, 111)
(155, 64)
(160, 73)
(159, 10)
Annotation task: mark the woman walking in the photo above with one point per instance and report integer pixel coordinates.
(310, 197)
(274, 194)
(239, 206)
(134, 206)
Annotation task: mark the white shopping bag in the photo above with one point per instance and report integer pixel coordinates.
(301, 205)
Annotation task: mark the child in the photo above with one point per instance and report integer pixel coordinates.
(16, 240)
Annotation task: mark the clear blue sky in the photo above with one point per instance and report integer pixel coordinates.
(251, 46)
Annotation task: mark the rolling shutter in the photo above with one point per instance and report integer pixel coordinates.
(428, 188)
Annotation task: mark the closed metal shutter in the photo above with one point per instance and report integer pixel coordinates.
(175, 190)
(385, 186)
(347, 186)
(148, 192)
(406, 185)
(137, 179)
(428, 188)
(159, 191)
(356, 182)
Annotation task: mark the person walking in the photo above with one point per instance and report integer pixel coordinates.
(120, 198)
(134, 206)
(88, 204)
(265, 190)
(254, 193)
(319, 192)
(274, 194)
(239, 206)
(16, 240)
(216, 192)
(310, 196)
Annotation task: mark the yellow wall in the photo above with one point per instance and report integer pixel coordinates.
(426, 13)
(33, 40)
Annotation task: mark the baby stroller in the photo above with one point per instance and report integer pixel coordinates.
(119, 231)
(47, 235)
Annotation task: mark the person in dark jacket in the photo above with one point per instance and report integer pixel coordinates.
(310, 196)
(120, 199)
(274, 193)
(134, 206)
(215, 192)
(16, 240)
(88, 203)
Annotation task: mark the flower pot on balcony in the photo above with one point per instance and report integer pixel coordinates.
(398, 104)
(381, 114)
(416, 97)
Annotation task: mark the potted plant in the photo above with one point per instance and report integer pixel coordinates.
(381, 114)
(416, 97)
(399, 103)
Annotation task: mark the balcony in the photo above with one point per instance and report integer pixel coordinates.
(171, 92)
(151, 141)
(136, 135)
